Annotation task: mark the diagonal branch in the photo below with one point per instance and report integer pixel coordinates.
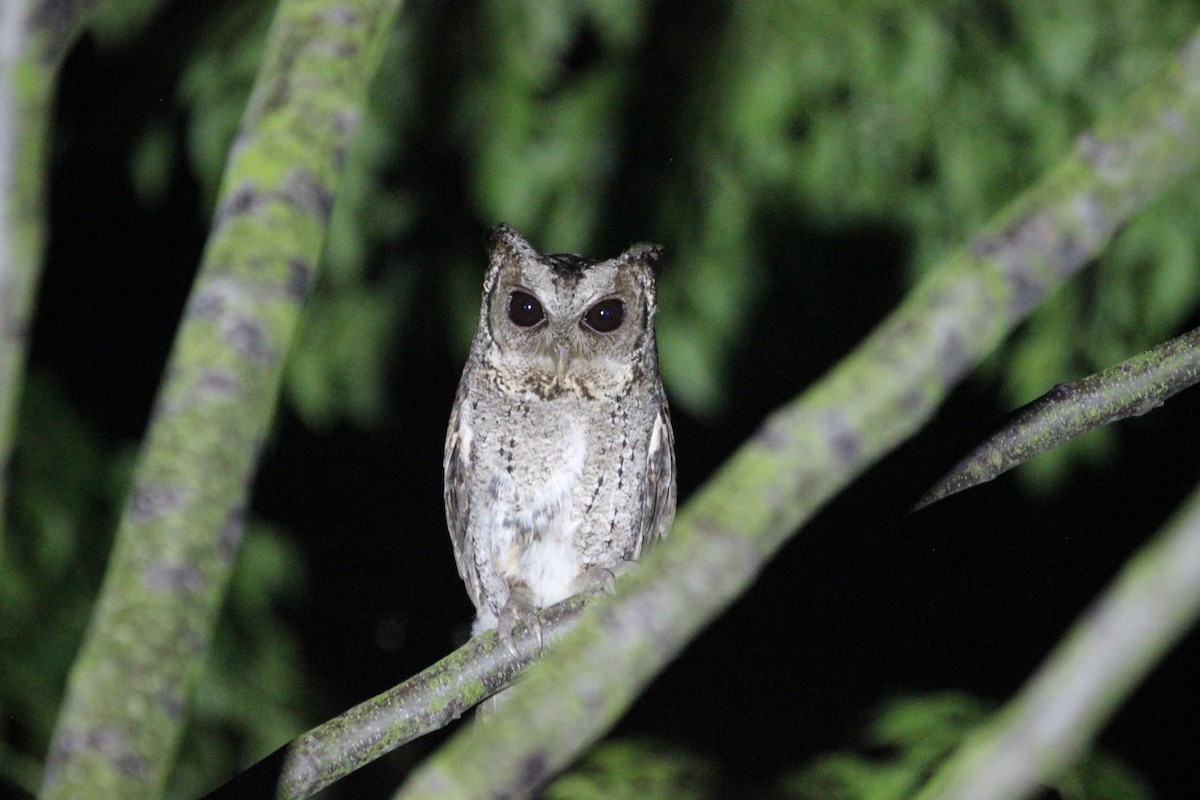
(812, 447)
(1098, 664)
(1130, 389)
(127, 694)
(424, 703)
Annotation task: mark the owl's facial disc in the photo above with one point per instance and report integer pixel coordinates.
(566, 325)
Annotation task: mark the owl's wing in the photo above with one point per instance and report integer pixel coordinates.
(658, 501)
(456, 465)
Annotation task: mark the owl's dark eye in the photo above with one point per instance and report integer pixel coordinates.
(606, 316)
(524, 309)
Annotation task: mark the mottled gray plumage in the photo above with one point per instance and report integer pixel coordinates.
(560, 461)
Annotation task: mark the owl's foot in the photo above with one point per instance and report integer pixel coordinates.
(597, 579)
(519, 608)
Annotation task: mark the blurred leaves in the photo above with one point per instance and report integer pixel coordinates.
(904, 742)
(62, 510)
(343, 353)
(215, 86)
(590, 125)
(907, 739)
(119, 21)
(931, 115)
(631, 769)
(541, 120)
(150, 168)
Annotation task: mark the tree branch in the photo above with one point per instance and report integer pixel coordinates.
(1130, 389)
(1041, 732)
(422, 704)
(127, 694)
(34, 37)
(815, 445)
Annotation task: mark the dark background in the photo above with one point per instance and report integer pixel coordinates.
(866, 602)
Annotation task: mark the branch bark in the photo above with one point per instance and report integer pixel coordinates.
(815, 445)
(127, 694)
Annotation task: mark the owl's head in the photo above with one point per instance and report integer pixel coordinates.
(564, 323)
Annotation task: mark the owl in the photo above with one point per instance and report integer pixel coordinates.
(560, 459)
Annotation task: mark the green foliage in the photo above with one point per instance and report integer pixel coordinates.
(67, 487)
(632, 769)
(914, 734)
(150, 166)
(120, 21)
(539, 136)
(542, 138)
(343, 352)
(930, 116)
(62, 500)
(543, 126)
(907, 740)
(923, 118)
(1097, 777)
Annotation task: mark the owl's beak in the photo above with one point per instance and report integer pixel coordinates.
(562, 352)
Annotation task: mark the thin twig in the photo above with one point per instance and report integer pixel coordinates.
(1130, 389)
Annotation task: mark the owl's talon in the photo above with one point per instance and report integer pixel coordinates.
(603, 581)
(600, 580)
(519, 608)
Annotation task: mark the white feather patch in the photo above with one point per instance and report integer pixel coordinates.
(550, 563)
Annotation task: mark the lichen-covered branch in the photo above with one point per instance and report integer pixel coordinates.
(128, 691)
(1129, 389)
(34, 37)
(815, 445)
(1146, 610)
(424, 703)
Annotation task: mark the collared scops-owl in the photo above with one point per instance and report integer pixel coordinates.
(559, 462)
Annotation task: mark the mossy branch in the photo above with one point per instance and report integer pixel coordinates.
(34, 37)
(812, 447)
(1133, 387)
(424, 703)
(128, 691)
(1098, 664)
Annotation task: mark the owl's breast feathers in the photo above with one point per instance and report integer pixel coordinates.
(537, 524)
(561, 486)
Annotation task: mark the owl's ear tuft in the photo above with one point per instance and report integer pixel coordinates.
(649, 254)
(504, 241)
